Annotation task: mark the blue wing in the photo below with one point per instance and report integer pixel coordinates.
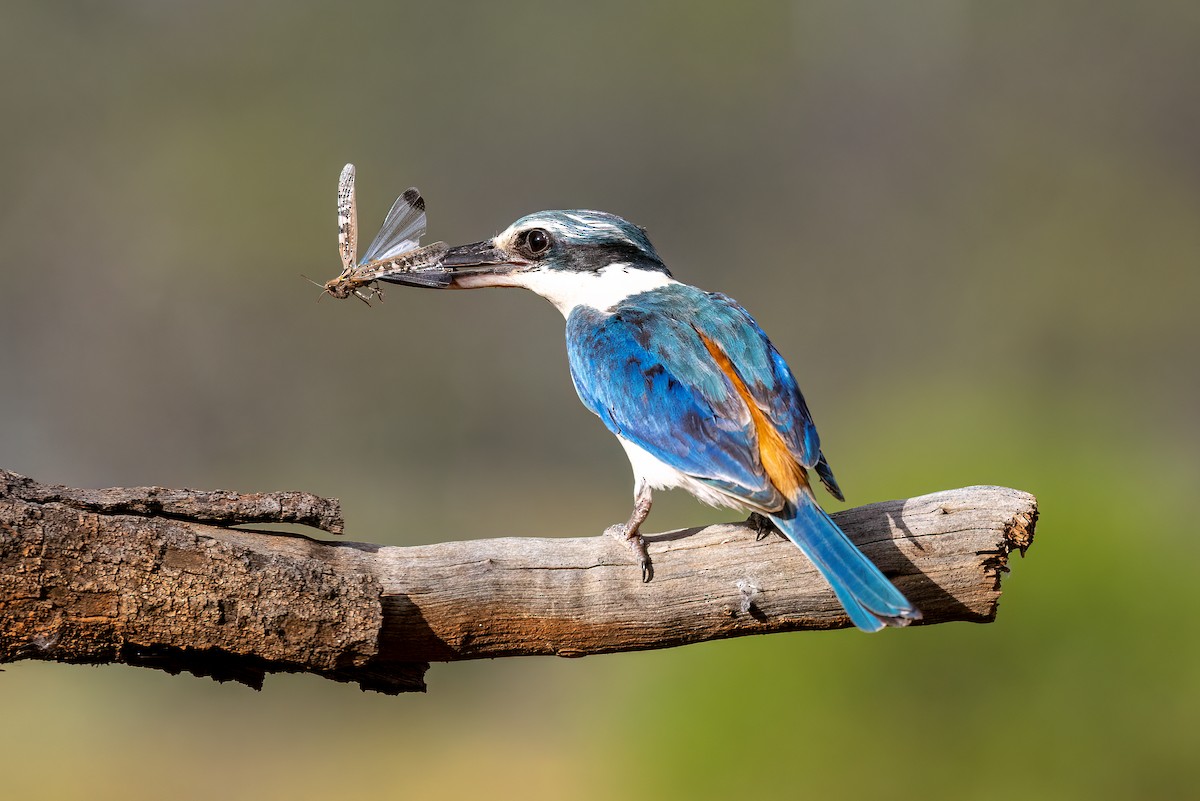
(766, 374)
(773, 387)
(644, 370)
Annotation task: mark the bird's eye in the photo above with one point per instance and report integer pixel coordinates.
(537, 241)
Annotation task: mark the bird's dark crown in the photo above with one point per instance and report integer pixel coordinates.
(581, 240)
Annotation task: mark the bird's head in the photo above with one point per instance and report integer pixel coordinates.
(568, 257)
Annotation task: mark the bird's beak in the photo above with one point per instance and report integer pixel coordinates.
(474, 258)
(463, 267)
(479, 264)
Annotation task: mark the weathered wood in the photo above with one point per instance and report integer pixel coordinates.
(86, 581)
(219, 507)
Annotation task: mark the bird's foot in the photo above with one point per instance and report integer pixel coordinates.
(637, 544)
(762, 526)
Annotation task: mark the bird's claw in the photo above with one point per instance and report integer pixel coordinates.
(762, 526)
(637, 544)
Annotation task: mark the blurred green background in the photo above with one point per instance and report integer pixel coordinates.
(973, 229)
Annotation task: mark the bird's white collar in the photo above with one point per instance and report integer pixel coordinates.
(601, 290)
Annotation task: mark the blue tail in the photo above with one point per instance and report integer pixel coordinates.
(866, 594)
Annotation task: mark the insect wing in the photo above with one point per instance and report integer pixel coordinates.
(402, 228)
(347, 219)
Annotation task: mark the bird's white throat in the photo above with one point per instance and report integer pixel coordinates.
(601, 290)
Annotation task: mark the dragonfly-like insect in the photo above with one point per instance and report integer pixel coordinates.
(395, 249)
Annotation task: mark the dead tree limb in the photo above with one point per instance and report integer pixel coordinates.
(144, 577)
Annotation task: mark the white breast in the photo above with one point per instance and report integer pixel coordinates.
(650, 470)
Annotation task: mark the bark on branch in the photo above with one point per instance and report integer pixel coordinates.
(144, 577)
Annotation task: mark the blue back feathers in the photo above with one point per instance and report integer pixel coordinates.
(643, 369)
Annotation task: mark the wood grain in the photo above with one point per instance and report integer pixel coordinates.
(86, 578)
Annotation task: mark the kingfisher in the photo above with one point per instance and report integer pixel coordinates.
(688, 382)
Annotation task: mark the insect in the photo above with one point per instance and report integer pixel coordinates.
(394, 250)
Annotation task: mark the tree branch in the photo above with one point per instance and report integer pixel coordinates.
(143, 577)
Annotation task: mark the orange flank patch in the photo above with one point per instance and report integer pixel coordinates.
(787, 474)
